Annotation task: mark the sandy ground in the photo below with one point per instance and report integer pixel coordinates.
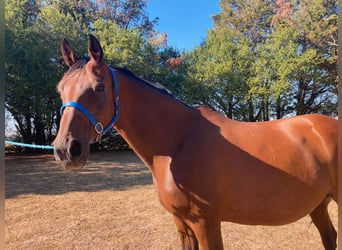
(111, 204)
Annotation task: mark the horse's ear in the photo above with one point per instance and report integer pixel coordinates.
(94, 49)
(68, 53)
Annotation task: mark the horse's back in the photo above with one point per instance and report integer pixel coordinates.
(313, 132)
(311, 135)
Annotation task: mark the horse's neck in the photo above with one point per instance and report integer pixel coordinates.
(151, 122)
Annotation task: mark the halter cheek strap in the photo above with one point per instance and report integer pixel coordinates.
(100, 130)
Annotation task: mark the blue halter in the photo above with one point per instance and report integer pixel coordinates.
(98, 125)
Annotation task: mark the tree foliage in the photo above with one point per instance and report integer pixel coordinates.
(288, 56)
(221, 68)
(30, 75)
(34, 64)
(261, 60)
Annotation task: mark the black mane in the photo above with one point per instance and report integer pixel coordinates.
(156, 86)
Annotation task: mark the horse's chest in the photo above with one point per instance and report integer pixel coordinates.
(171, 195)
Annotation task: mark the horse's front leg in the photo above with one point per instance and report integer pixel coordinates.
(186, 235)
(208, 233)
(201, 233)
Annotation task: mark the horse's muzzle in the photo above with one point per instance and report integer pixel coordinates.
(72, 154)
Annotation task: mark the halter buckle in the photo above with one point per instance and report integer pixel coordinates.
(99, 128)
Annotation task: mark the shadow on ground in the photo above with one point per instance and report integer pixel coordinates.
(104, 171)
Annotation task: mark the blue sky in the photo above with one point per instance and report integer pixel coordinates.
(184, 21)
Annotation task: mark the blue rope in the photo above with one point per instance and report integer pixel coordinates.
(28, 145)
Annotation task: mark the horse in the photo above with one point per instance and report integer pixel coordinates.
(206, 168)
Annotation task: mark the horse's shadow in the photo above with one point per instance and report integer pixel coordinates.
(103, 171)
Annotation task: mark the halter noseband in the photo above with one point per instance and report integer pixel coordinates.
(98, 125)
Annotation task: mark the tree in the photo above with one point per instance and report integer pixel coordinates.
(269, 88)
(283, 53)
(33, 62)
(221, 66)
(228, 54)
(30, 75)
(127, 14)
(249, 19)
(126, 48)
(314, 81)
(262, 60)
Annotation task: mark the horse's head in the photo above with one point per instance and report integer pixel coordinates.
(88, 92)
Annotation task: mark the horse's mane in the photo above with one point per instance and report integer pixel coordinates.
(156, 86)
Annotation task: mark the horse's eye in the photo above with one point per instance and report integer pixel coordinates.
(100, 87)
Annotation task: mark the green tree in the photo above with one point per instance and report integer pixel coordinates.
(270, 86)
(34, 65)
(228, 54)
(126, 14)
(267, 59)
(148, 58)
(30, 75)
(250, 19)
(315, 80)
(126, 47)
(221, 66)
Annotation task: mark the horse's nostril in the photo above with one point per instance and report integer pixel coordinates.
(75, 149)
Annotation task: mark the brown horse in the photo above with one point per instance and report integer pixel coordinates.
(206, 168)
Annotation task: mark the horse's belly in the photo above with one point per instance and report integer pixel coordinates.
(271, 216)
(274, 204)
(261, 194)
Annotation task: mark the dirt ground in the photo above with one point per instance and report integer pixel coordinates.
(111, 204)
